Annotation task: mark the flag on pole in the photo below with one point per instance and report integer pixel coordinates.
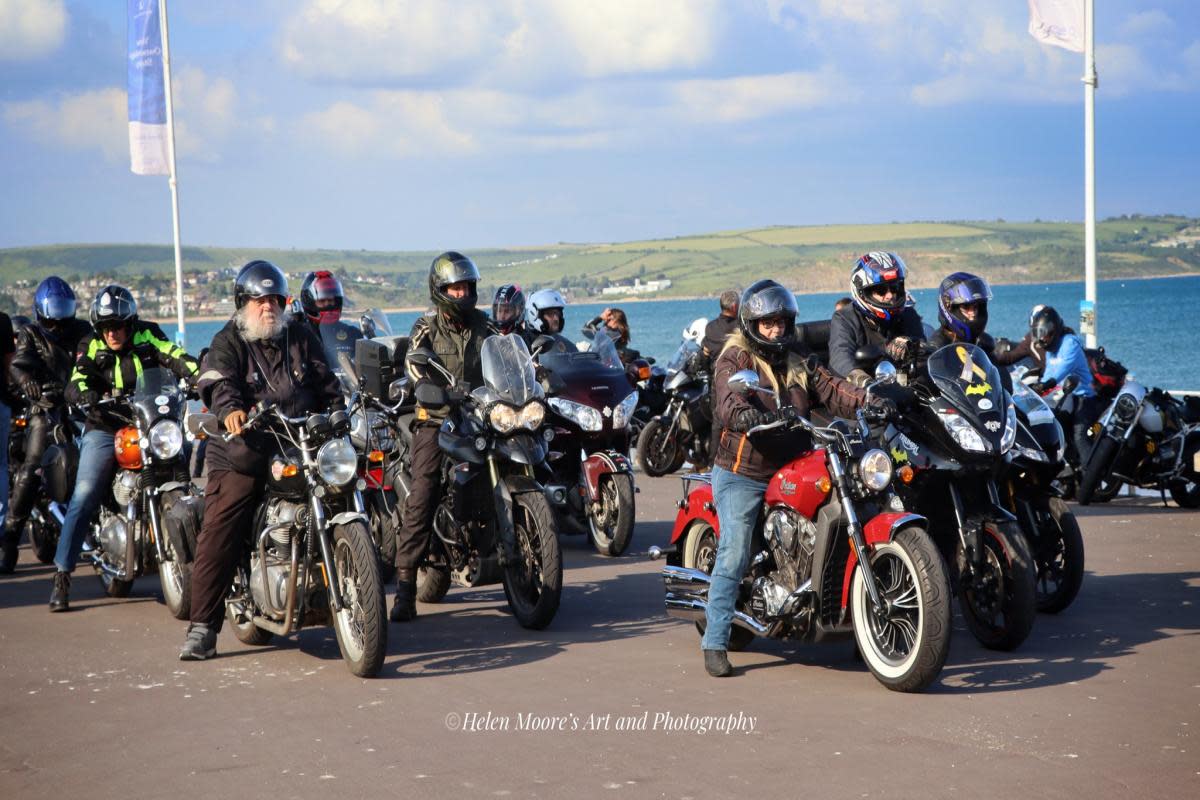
(147, 96)
(1057, 22)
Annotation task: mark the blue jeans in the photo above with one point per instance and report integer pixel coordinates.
(738, 501)
(5, 426)
(97, 465)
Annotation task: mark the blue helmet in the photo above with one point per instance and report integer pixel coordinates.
(964, 289)
(53, 301)
(873, 275)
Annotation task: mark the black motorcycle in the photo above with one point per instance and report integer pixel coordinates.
(50, 503)
(494, 522)
(683, 431)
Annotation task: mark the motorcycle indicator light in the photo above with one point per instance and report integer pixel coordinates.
(906, 474)
(823, 485)
(20, 422)
(1150, 446)
(289, 471)
(375, 456)
(644, 372)
(127, 448)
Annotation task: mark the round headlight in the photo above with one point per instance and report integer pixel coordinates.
(875, 469)
(531, 416)
(166, 439)
(337, 462)
(503, 418)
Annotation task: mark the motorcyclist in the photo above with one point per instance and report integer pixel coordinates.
(1008, 353)
(108, 363)
(719, 329)
(41, 367)
(614, 323)
(260, 356)
(454, 330)
(322, 299)
(963, 314)
(508, 311)
(8, 551)
(763, 343)
(879, 315)
(544, 316)
(1064, 357)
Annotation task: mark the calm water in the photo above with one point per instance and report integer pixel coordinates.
(1148, 325)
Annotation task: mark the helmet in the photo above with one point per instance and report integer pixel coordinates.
(53, 301)
(259, 279)
(957, 290)
(510, 301)
(1046, 326)
(451, 267)
(873, 272)
(764, 300)
(695, 331)
(540, 302)
(1034, 312)
(114, 306)
(317, 287)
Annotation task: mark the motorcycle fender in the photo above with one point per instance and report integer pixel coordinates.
(508, 486)
(699, 505)
(881, 528)
(348, 516)
(599, 464)
(172, 485)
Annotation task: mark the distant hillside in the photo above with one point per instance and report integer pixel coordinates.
(806, 258)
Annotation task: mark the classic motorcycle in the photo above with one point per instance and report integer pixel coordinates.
(309, 559)
(683, 432)
(1145, 438)
(950, 449)
(590, 477)
(494, 522)
(835, 555)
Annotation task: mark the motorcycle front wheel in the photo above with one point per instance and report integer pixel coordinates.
(998, 601)
(533, 582)
(657, 452)
(384, 525)
(361, 625)
(1096, 484)
(906, 647)
(611, 526)
(1059, 555)
(174, 575)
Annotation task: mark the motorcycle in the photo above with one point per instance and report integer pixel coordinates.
(683, 432)
(835, 556)
(309, 559)
(950, 449)
(494, 522)
(590, 478)
(1145, 438)
(49, 508)
(131, 534)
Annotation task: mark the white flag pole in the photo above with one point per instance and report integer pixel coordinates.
(1090, 82)
(166, 53)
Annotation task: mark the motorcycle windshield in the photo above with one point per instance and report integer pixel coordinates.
(508, 370)
(968, 379)
(1030, 406)
(604, 347)
(687, 349)
(374, 322)
(155, 382)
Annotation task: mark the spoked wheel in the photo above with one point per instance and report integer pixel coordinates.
(905, 643)
(998, 601)
(700, 552)
(174, 575)
(611, 526)
(533, 581)
(658, 449)
(1059, 555)
(238, 613)
(361, 625)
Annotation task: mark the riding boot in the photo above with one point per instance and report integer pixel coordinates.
(59, 600)
(8, 550)
(716, 663)
(404, 609)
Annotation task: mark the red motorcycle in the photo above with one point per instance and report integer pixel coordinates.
(819, 572)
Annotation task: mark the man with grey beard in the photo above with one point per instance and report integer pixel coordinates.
(259, 356)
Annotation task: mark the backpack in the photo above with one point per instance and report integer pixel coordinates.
(1107, 375)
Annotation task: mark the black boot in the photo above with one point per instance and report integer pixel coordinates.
(716, 662)
(59, 600)
(404, 609)
(8, 551)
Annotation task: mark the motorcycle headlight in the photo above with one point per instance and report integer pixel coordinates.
(1033, 454)
(624, 411)
(875, 470)
(503, 418)
(337, 462)
(531, 416)
(166, 439)
(1010, 430)
(1126, 408)
(585, 417)
(963, 433)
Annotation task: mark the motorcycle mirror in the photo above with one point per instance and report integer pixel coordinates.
(746, 380)
(431, 395)
(202, 424)
(868, 354)
(367, 325)
(397, 389)
(885, 371)
(541, 344)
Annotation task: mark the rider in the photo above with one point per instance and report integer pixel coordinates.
(879, 316)
(763, 343)
(719, 329)
(321, 299)
(45, 353)
(613, 322)
(963, 314)
(544, 316)
(1007, 353)
(1064, 357)
(454, 330)
(8, 551)
(260, 356)
(508, 311)
(109, 363)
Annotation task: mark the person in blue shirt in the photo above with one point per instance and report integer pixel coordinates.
(1064, 357)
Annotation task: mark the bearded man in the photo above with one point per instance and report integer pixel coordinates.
(259, 356)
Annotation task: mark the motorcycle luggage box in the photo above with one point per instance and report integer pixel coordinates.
(59, 465)
(1191, 409)
(374, 365)
(182, 524)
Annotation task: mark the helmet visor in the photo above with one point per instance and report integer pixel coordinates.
(973, 290)
(57, 307)
(888, 294)
(772, 301)
(326, 287)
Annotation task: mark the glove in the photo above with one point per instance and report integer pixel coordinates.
(1038, 387)
(32, 391)
(52, 390)
(899, 349)
(882, 408)
(897, 396)
(90, 398)
(1003, 346)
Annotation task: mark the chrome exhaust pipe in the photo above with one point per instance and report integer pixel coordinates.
(687, 598)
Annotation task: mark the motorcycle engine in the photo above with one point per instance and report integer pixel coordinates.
(113, 535)
(272, 598)
(124, 487)
(791, 538)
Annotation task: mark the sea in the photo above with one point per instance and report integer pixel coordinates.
(1150, 325)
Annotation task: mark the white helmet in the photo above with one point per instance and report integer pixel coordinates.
(540, 301)
(695, 331)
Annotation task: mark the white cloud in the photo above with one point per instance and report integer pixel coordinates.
(753, 97)
(31, 29)
(91, 120)
(396, 124)
(1144, 23)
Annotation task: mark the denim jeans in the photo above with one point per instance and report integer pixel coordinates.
(739, 500)
(97, 465)
(5, 426)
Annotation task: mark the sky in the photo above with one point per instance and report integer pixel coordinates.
(439, 124)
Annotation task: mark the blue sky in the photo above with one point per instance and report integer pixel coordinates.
(430, 124)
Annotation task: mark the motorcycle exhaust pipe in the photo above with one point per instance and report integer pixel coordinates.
(687, 598)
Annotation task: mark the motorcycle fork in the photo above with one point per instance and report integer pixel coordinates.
(131, 527)
(320, 528)
(155, 528)
(968, 532)
(856, 532)
(504, 522)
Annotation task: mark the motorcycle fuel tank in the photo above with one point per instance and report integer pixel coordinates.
(802, 484)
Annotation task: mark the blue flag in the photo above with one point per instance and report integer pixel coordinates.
(147, 95)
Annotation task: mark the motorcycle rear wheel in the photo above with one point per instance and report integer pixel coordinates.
(999, 604)
(361, 625)
(1093, 485)
(1059, 555)
(907, 649)
(533, 584)
(238, 616)
(43, 536)
(700, 552)
(611, 530)
(658, 453)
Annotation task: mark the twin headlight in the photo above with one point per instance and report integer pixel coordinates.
(166, 439)
(589, 419)
(505, 419)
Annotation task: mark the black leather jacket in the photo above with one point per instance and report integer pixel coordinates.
(41, 357)
(849, 330)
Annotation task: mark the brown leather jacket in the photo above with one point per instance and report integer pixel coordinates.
(760, 457)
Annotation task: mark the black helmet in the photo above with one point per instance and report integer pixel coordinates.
(53, 301)
(764, 300)
(318, 286)
(510, 300)
(114, 306)
(958, 290)
(1046, 326)
(451, 267)
(259, 279)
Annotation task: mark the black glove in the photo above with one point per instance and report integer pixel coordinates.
(1038, 387)
(52, 390)
(32, 391)
(897, 396)
(881, 408)
(899, 349)
(90, 398)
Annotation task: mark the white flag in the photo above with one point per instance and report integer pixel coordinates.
(147, 95)
(1057, 22)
